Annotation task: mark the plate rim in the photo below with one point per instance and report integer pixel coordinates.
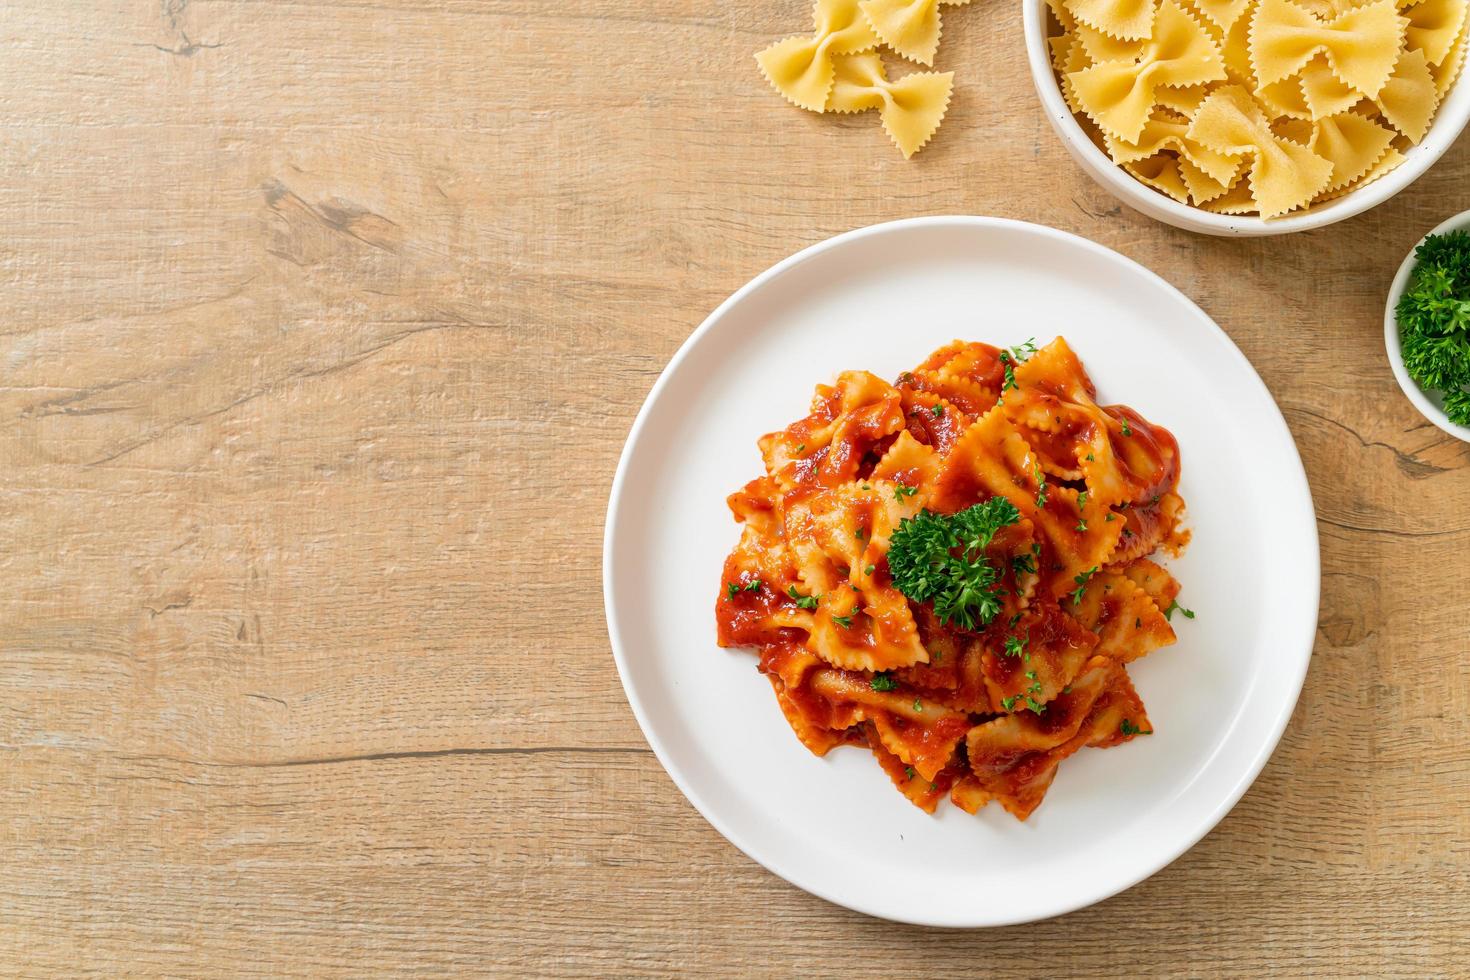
(1147, 869)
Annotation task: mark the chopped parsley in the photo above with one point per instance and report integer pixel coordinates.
(1081, 579)
(1040, 488)
(801, 448)
(937, 411)
(1089, 457)
(859, 533)
(1023, 563)
(802, 601)
(846, 622)
(1015, 646)
(903, 490)
(1434, 321)
(870, 569)
(1126, 431)
(1007, 703)
(1169, 613)
(1128, 728)
(1036, 706)
(1081, 524)
(1010, 373)
(732, 589)
(882, 682)
(917, 705)
(908, 771)
(1109, 519)
(940, 558)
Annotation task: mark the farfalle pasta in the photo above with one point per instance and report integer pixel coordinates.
(911, 107)
(974, 687)
(838, 68)
(910, 27)
(1262, 107)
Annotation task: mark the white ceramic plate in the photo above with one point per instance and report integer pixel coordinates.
(881, 298)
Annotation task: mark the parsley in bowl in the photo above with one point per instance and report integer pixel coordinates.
(1427, 326)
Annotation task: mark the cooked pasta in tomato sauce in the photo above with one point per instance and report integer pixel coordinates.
(953, 570)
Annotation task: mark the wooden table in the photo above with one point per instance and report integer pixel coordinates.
(324, 322)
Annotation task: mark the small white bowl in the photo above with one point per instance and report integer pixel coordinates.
(1431, 406)
(1449, 120)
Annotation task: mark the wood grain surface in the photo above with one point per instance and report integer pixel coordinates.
(323, 324)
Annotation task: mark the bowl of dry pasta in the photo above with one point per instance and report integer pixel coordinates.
(1251, 117)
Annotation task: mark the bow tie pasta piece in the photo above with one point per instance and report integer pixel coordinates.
(1353, 144)
(1361, 44)
(1131, 20)
(1389, 160)
(1162, 132)
(1183, 99)
(1324, 92)
(1178, 178)
(1448, 70)
(1409, 99)
(1296, 130)
(1063, 16)
(1161, 172)
(1222, 13)
(1235, 49)
(1103, 47)
(909, 27)
(801, 68)
(911, 107)
(1118, 95)
(1434, 26)
(1283, 175)
(1203, 187)
(1239, 199)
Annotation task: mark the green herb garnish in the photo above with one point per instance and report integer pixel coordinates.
(903, 490)
(1434, 321)
(1169, 613)
(937, 411)
(882, 682)
(1081, 580)
(940, 558)
(1040, 488)
(1128, 728)
(1126, 431)
(802, 601)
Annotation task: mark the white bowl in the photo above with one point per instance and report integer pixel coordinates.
(1449, 120)
(1431, 406)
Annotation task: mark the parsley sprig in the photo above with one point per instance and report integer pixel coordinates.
(1082, 579)
(940, 558)
(1173, 606)
(802, 601)
(733, 589)
(1434, 321)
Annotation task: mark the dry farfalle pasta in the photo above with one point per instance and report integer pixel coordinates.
(837, 68)
(1256, 106)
